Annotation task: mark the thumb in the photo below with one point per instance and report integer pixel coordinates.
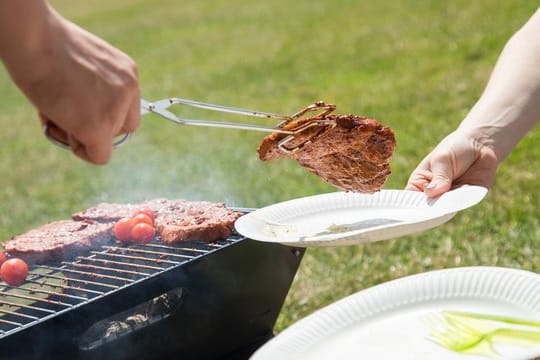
(441, 180)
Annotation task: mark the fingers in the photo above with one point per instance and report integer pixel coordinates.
(95, 148)
(93, 139)
(433, 176)
(458, 160)
(418, 181)
(432, 185)
(438, 186)
(420, 177)
(97, 153)
(442, 174)
(78, 149)
(98, 148)
(53, 132)
(133, 117)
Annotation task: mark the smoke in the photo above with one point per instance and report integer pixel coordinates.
(164, 160)
(181, 167)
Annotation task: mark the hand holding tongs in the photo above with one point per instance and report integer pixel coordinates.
(160, 107)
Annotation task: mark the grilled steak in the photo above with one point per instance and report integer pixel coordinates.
(195, 221)
(176, 220)
(58, 240)
(110, 212)
(354, 155)
(105, 212)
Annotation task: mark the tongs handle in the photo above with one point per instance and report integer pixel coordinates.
(59, 137)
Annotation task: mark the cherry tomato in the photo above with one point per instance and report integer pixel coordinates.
(122, 229)
(142, 233)
(14, 271)
(3, 258)
(142, 218)
(147, 211)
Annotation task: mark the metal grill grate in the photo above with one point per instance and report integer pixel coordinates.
(51, 289)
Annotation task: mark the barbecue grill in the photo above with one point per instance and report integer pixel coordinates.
(199, 300)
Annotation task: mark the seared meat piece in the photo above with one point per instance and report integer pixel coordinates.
(105, 212)
(59, 240)
(195, 221)
(110, 212)
(176, 220)
(353, 155)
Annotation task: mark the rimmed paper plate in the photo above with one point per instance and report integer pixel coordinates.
(388, 321)
(345, 218)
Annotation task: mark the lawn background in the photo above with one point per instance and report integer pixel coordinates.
(417, 66)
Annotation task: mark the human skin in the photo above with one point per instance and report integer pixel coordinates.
(83, 87)
(508, 108)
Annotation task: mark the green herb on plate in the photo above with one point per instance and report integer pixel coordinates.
(471, 333)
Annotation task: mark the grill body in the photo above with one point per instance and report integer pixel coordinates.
(227, 302)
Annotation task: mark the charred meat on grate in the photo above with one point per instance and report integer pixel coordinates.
(105, 212)
(195, 221)
(175, 220)
(112, 212)
(59, 240)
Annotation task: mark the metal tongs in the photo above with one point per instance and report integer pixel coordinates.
(287, 126)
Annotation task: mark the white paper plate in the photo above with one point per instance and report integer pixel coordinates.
(345, 218)
(387, 321)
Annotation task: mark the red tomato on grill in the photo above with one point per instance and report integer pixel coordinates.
(142, 218)
(138, 228)
(142, 233)
(3, 258)
(146, 211)
(14, 271)
(122, 229)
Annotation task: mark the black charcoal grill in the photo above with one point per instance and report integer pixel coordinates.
(188, 301)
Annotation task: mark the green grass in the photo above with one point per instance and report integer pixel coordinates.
(417, 66)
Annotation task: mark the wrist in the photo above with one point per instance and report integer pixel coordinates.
(500, 126)
(484, 137)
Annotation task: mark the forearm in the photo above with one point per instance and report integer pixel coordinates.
(510, 104)
(24, 27)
